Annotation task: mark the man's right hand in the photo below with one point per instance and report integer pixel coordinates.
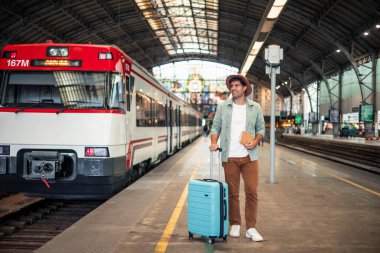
(213, 147)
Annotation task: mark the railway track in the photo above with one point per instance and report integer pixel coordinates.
(360, 154)
(33, 226)
(3, 194)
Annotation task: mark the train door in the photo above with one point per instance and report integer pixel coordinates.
(169, 127)
(129, 86)
(179, 132)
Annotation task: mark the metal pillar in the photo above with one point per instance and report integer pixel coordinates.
(273, 57)
(272, 124)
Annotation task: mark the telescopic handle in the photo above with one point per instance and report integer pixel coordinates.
(212, 163)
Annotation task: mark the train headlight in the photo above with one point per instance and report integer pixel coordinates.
(96, 152)
(5, 150)
(105, 56)
(57, 51)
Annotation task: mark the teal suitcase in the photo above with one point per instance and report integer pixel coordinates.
(208, 207)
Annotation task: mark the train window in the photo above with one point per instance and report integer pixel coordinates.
(81, 89)
(55, 89)
(152, 110)
(129, 90)
(32, 88)
(160, 114)
(143, 110)
(132, 83)
(173, 116)
(116, 92)
(183, 119)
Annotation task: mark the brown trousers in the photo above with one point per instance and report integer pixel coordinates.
(250, 172)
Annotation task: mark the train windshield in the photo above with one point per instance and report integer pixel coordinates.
(55, 89)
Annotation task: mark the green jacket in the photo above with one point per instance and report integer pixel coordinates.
(222, 125)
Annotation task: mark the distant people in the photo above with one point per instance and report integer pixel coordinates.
(205, 130)
(233, 116)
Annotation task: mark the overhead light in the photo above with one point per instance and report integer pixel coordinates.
(366, 33)
(262, 33)
(338, 50)
(276, 9)
(377, 26)
(257, 45)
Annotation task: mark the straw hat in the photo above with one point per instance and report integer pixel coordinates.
(244, 81)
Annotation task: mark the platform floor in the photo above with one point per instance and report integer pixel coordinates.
(315, 205)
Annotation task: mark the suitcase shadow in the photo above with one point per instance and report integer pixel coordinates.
(206, 240)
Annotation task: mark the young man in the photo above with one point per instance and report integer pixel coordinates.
(233, 116)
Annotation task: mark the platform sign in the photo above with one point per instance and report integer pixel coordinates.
(334, 116)
(365, 113)
(350, 118)
(298, 119)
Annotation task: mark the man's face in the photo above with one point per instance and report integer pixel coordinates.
(237, 89)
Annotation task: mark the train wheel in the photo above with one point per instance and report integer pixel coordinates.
(135, 174)
(141, 169)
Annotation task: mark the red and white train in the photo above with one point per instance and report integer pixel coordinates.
(82, 121)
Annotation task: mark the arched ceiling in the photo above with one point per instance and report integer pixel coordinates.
(309, 31)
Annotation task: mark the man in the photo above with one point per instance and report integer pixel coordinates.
(233, 116)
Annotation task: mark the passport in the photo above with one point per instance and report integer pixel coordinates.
(246, 137)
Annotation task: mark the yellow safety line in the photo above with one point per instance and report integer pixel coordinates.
(355, 184)
(165, 237)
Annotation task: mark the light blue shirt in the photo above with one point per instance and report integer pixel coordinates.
(222, 125)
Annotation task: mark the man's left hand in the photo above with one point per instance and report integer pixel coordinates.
(250, 145)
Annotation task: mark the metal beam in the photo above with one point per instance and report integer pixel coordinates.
(115, 20)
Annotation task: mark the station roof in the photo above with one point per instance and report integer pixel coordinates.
(155, 32)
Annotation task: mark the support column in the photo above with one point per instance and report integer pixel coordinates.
(374, 84)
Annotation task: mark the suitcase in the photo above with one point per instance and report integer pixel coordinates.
(208, 206)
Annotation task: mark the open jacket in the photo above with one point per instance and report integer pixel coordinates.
(222, 125)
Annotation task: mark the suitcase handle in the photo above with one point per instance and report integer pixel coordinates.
(225, 209)
(212, 163)
(209, 180)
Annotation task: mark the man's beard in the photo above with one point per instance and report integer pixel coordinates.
(237, 96)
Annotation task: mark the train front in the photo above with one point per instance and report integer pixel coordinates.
(62, 120)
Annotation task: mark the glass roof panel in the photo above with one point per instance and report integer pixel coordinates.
(178, 23)
(210, 77)
(190, 45)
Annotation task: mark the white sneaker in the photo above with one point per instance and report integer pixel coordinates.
(254, 235)
(235, 231)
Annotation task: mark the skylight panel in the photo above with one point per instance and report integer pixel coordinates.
(176, 22)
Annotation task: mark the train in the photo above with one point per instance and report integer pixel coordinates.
(83, 121)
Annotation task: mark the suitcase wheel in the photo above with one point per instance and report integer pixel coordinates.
(191, 235)
(211, 240)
